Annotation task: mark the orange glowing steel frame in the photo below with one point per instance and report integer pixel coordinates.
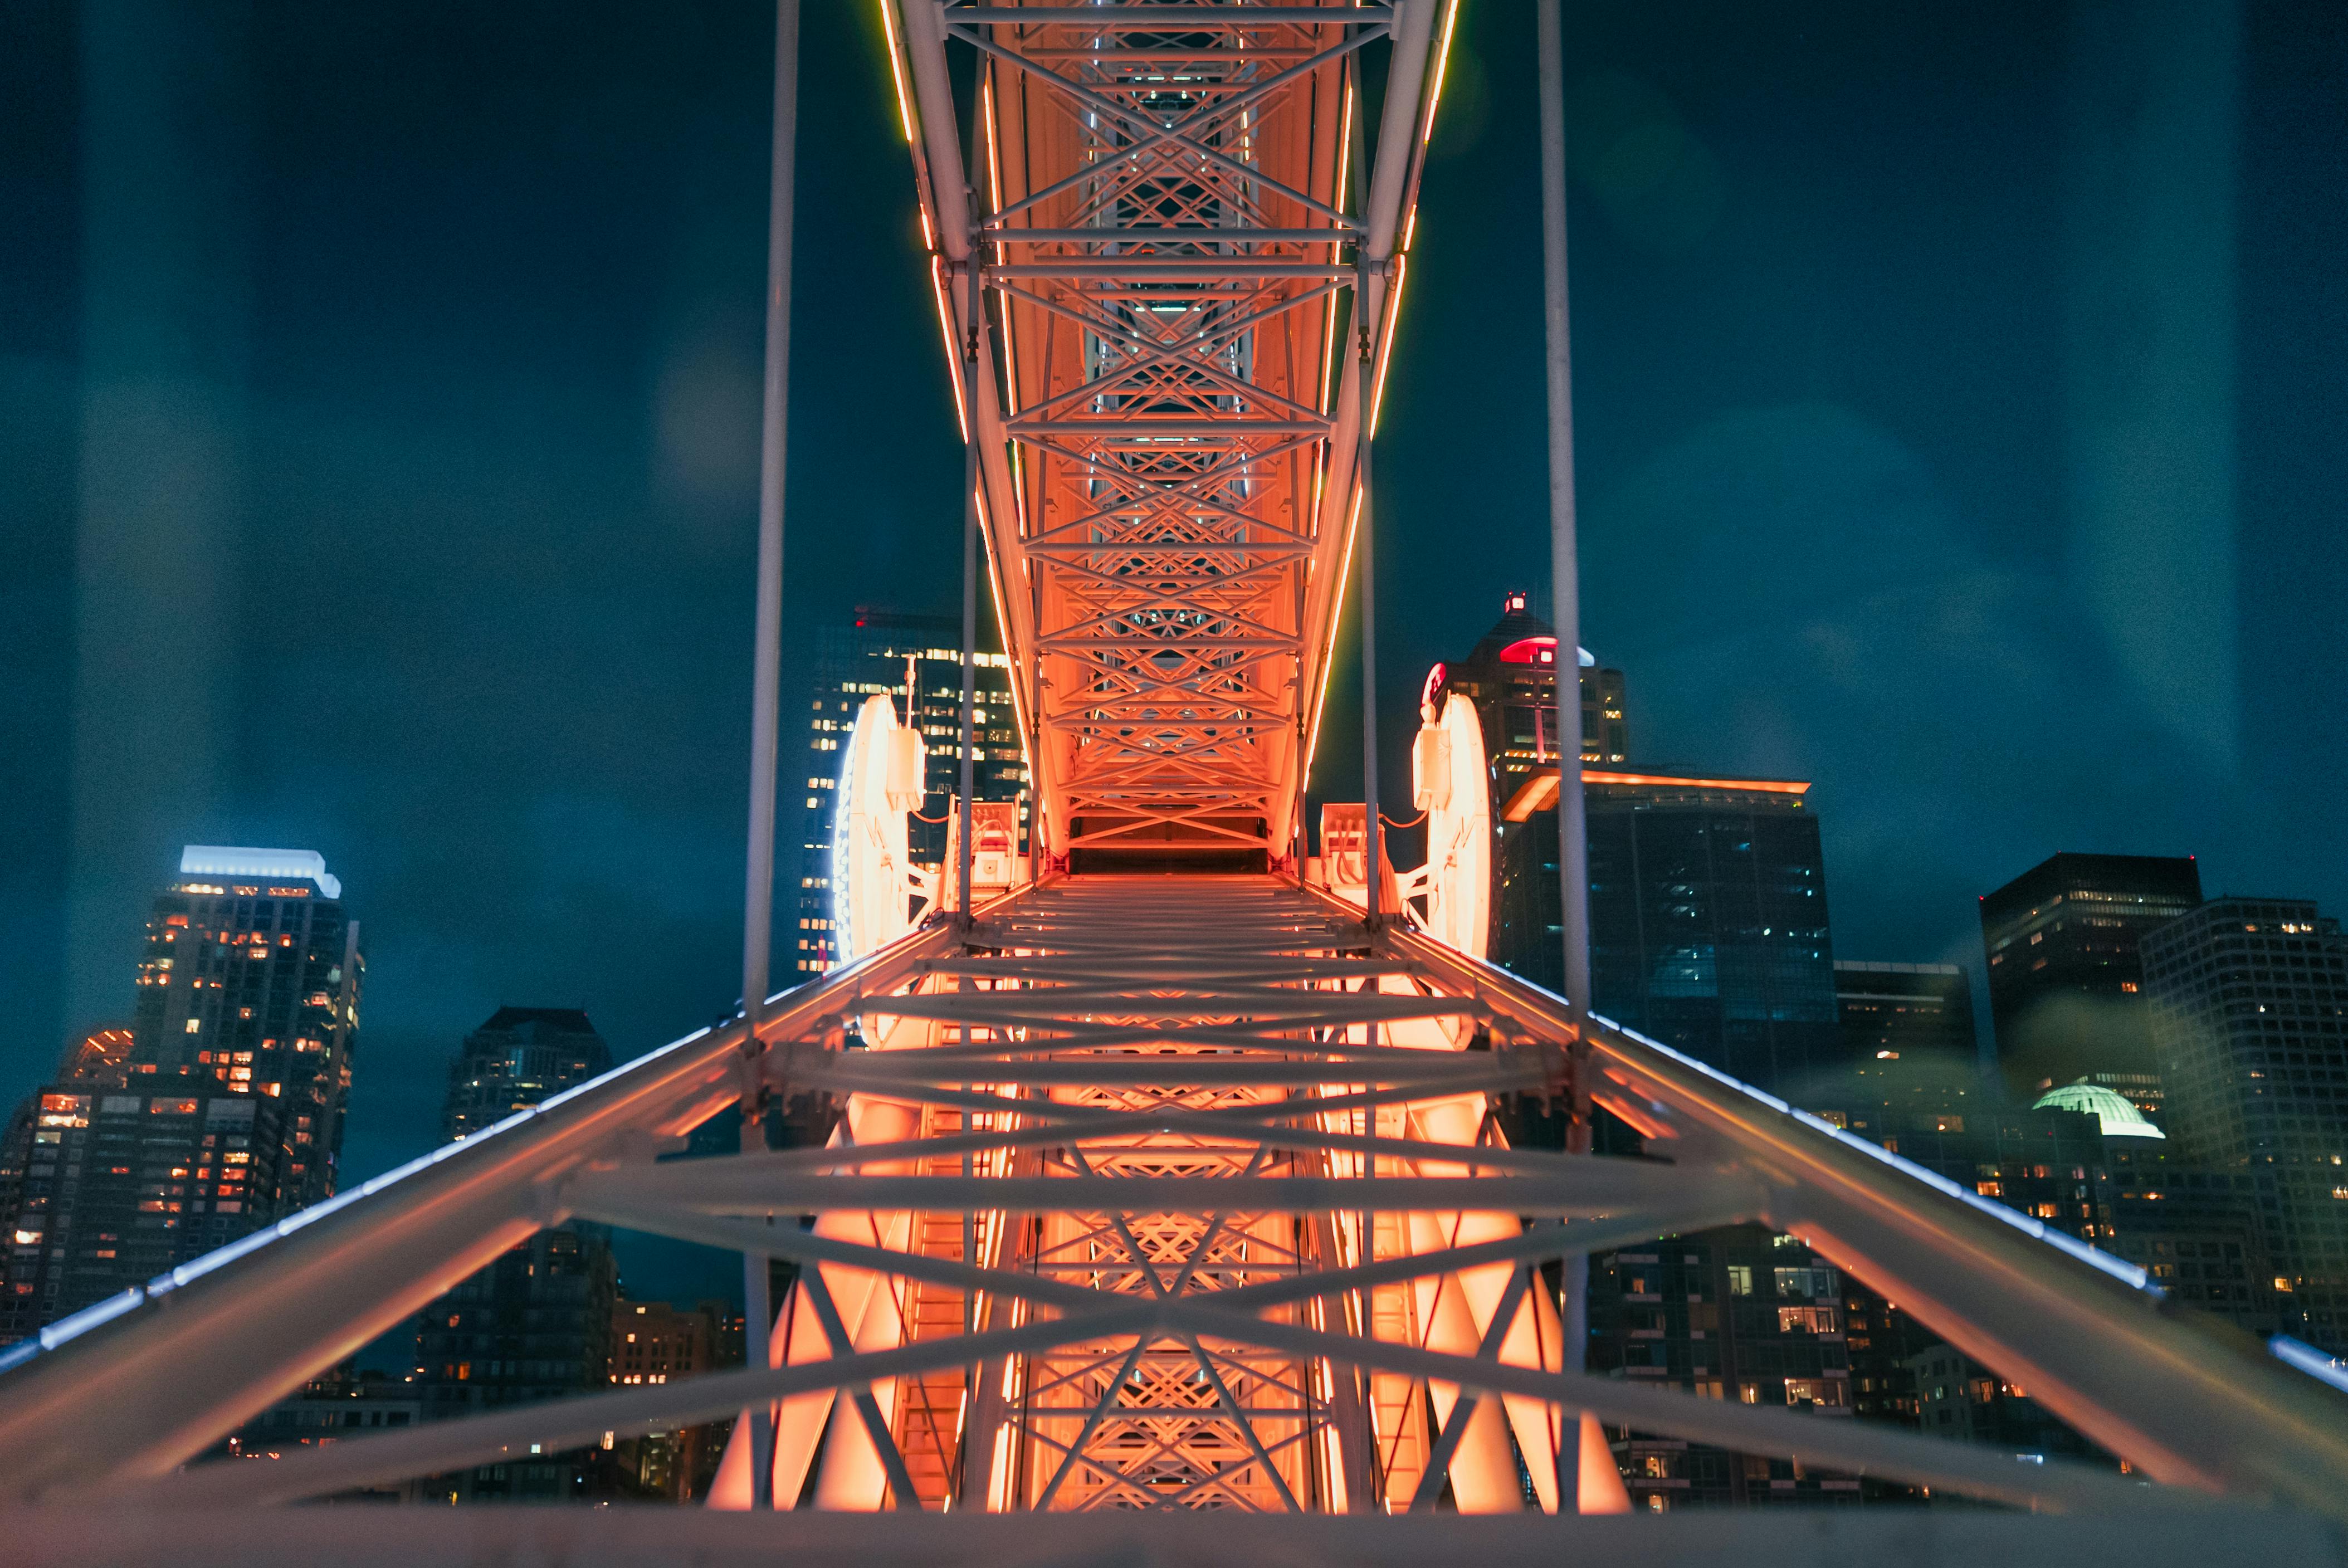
(1171, 231)
(1097, 1233)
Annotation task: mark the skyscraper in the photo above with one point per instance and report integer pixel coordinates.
(2064, 979)
(1908, 1033)
(219, 1111)
(2051, 1163)
(336, 1406)
(2197, 1230)
(117, 1188)
(251, 982)
(521, 1056)
(1904, 1007)
(1511, 677)
(30, 1209)
(536, 1323)
(1959, 1398)
(1707, 918)
(917, 660)
(2249, 1013)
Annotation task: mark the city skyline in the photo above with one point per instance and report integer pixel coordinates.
(1860, 1038)
(487, 776)
(392, 1144)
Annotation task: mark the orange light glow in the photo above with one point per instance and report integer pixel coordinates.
(897, 74)
(1538, 793)
(953, 351)
(1329, 314)
(1768, 786)
(1329, 649)
(1442, 64)
(1391, 314)
(1003, 627)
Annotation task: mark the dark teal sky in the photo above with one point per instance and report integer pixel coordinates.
(1959, 395)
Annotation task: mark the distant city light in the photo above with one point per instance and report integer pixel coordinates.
(223, 861)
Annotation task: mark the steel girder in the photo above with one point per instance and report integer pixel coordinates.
(1175, 1193)
(1180, 246)
(630, 1538)
(1044, 1283)
(140, 1384)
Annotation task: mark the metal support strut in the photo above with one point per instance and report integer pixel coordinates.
(765, 681)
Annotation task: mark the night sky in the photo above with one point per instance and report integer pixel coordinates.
(1959, 396)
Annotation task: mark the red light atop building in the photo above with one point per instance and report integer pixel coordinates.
(1530, 651)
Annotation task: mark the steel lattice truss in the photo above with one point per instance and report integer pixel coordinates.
(1166, 1192)
(1182, 253)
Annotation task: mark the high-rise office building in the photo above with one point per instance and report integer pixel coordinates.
(2086, 1162)
(1924, 1008)
(337, 1405)
(251, 982)
(1707, 918)
(2195, 1226)
(521, 1056)
(119, 1187)
(97, 1061)
(1959, 1398)
(1511, 677)
(34, 1168)
(2248, 1013)
(2197, 1230)
(2051, 1163)
(536, 1323)
(2066, 981)
(219, 1111)
(915, 659)
(1708, 932)
(1908, 1033)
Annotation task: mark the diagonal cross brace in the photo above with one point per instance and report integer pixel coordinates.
(1447, 1442)
(884, 1443)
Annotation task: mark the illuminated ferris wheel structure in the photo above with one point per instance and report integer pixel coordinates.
(1169, 1178)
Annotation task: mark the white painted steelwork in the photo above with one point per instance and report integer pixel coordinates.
(484, 1537)
(1244, 1058)
(1159, 1191)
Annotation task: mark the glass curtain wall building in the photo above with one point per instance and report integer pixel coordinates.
(1908, 1033)
(516, 1059)
(537, 1323)
(219, 1111)
(891, 654)
(2066, 981)
(1707, 918)
(2249, 1011)
(251, 981)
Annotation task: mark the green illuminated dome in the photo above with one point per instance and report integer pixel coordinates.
(2120, 1120)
